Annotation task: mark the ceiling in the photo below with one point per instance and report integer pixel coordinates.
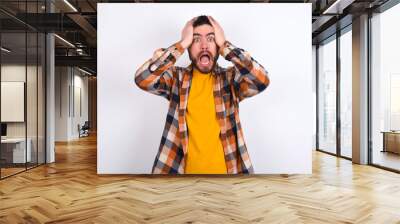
(76, 22)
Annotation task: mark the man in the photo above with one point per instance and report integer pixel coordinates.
(202, 134)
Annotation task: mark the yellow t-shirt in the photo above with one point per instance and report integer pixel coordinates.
(205, 150)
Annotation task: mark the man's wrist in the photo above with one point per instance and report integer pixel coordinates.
(184, 44)
(223, 43)
(180, 47)
(224, 49)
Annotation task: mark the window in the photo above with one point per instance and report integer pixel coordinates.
(327, 96)
(346, 93)
(385, 89)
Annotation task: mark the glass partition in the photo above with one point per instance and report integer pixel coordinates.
(22, 101)
(31, 100)
(13, 109)
(41, 88)
(327, 96)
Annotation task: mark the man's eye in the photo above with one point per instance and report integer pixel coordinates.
(210, 39)
(196, 40)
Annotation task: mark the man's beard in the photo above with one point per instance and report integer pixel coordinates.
(204, 70)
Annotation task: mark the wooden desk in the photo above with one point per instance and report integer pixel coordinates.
(391, 141)
(13, 150)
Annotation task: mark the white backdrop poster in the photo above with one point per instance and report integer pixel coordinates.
(277, 123)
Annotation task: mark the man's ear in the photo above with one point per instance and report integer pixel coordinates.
(190, 56)
(189, 48)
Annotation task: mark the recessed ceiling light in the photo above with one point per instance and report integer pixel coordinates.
(70, 5)
(84, 71)
(64, 40)
(5, 50)
(337, 7)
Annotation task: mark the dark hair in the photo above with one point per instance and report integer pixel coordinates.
(201, 20)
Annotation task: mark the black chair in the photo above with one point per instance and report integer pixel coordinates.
(84, 130)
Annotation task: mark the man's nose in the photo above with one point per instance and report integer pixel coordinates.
(204, 45)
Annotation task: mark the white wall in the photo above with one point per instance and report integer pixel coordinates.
(15, 73)
(12, 101)
(68, 81)
(277, 124)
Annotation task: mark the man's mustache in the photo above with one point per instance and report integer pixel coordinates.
(205, 53)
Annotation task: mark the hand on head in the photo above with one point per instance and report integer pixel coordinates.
(219, 32)
(187, 32)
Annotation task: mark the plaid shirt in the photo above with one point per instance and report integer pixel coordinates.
(233, 84)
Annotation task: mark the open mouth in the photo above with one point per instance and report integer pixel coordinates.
(205, 59)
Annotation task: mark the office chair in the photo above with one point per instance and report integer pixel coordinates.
(84, 130)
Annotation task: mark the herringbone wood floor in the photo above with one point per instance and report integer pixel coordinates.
(70, 191)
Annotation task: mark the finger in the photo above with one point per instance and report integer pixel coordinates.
(192, 20)
(211, 20)
(188, 23)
